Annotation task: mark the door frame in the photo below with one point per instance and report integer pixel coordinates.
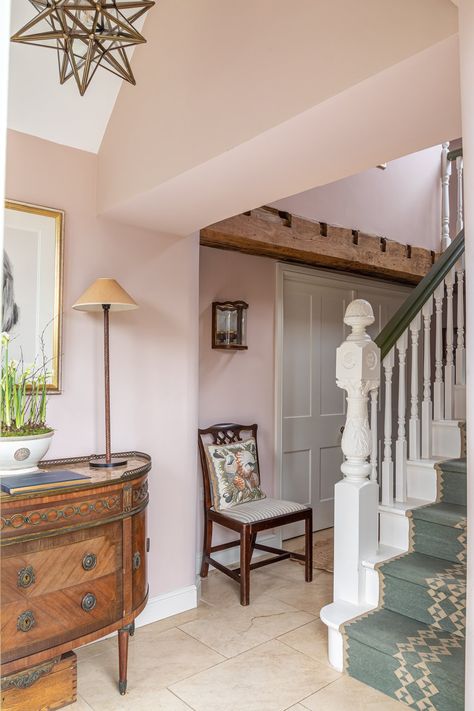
(325, 277)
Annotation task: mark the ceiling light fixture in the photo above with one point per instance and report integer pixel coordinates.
(86, 34)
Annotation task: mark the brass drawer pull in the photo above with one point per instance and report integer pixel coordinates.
(25, 621)
(89, 601)
(26, 577)
(137, 561)
(89, 561)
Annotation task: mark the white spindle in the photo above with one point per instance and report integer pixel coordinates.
(459, 196)
(414, 426)
(387, 464)
(426, 405)
(460, 348)
(438, 384)
(373, 432)
(401, 444)
(449, 367)
(445, 176)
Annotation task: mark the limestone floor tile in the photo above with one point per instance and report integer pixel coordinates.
(347, 693)
(155, 661)
(271, 677)
(309, 599)
(311, 639)
(298, 707)
(80, 705)
(237, 629)
(220, 590)
(95, 648)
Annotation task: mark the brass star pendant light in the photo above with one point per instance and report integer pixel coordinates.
(86, 34)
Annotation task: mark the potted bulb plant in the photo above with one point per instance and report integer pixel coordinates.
(24, 435)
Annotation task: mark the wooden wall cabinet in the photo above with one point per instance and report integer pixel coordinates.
(73, 569)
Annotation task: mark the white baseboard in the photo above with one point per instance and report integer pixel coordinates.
(168, 604)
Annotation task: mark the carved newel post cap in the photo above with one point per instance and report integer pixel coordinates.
(359, 314)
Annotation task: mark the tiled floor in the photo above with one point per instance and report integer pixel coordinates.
(269, 656)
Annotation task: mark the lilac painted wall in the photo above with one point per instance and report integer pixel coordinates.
(401, 203)
(154, 350)
(239, 386)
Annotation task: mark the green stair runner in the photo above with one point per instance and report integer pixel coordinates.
(412, 646)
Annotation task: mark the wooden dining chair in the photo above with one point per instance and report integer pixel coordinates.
(247, 518)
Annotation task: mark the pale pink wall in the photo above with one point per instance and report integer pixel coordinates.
(239, 386)
(154, 350)
(402, 203)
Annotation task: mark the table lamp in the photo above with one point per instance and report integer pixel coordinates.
(106, 295)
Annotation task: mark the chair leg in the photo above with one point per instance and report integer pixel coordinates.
(206, 547)
(245, 555)
(308, 563)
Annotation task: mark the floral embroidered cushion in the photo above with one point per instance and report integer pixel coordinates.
(235, 478)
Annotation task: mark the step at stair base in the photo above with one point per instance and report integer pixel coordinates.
(424, 671)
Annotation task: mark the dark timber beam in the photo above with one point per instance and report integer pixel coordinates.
(267, 232)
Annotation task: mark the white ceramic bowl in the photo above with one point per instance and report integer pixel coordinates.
(20, 455)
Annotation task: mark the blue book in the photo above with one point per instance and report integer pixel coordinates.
(22, 483)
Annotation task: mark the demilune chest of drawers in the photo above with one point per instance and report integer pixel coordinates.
(73, 569)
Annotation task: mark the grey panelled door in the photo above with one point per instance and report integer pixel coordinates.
(312, 406)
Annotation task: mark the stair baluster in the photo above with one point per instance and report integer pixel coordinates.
(373, 433)
(449, 367)
(387, 464)
(414, 425)
(459, 195)
(401, 444)
(445, 176)
(438, 384)
(426, 405)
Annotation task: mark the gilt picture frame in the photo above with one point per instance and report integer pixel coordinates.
(33, 286)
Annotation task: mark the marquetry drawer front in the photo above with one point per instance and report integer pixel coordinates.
(46, 686)
(44, 621)
(139, 559)
(32, 569)
(28, 518)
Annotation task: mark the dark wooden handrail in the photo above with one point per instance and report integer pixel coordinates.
(400, 321)
(456, 153)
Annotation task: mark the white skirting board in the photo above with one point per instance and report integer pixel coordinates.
(168, 604)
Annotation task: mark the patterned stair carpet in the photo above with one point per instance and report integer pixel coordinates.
(412, 646)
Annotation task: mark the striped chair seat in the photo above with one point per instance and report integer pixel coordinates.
(262, 509)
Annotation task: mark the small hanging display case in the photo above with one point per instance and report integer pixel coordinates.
(229, 325)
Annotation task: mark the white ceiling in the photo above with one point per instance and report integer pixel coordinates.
(40, 106)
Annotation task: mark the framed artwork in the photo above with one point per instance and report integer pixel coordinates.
(32, 285)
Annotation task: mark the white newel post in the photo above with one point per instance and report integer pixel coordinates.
(356, 495)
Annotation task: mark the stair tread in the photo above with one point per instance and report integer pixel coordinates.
(419, 569)
(393, 634)
(442, 513)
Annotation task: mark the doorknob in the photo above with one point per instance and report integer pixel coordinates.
(342, 429)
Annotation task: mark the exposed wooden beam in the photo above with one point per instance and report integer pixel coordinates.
(270, 233)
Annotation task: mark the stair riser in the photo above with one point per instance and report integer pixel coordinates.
(446, 440)
(422, 480)
(439, 541)
(379, 670)
(394, 530)
(453, 488)
(415, 601)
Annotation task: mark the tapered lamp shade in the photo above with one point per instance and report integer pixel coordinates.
(105, 291)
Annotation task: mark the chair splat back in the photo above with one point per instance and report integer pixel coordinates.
(221, 434)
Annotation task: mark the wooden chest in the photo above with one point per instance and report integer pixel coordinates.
(73, 569)
(46, 686)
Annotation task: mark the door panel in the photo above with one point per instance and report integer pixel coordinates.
(313, 407)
